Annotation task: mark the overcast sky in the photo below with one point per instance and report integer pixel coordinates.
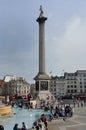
(65, 37)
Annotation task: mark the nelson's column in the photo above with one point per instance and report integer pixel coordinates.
(42, 80)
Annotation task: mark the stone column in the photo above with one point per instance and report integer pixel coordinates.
(41, 20)
(42, 80)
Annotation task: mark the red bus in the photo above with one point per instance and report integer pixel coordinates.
(80, 96)
(22, 96)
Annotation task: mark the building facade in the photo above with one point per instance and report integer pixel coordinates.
(69, 83)
(57, 85)
(15, 85)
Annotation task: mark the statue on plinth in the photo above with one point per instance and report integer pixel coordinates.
(41, 11)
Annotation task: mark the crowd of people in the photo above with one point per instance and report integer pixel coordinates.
(61, 111)
(41, 123)
(56, 111)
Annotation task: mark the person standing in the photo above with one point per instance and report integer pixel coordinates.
(24, 126)
(15, 127)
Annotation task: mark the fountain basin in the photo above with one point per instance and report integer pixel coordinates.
(21, 115)
(6, 111)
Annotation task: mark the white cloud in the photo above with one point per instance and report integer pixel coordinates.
(73, 24)
(73, 40)
(69, 49)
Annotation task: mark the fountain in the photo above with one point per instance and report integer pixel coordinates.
(5, 110)
(21, 115)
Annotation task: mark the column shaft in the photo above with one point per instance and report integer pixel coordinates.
(42, 47)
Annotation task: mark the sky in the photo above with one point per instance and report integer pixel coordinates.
(65, 37)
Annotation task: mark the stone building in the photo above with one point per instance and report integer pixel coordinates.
(57, 85)
(15, 85)
(70, 83)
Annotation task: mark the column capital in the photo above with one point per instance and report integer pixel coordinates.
(41, 20)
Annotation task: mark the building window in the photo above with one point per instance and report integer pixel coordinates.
(85, 90)
(54, 89)
(75, 91)
(74, 82)
(81, 91)
(68, 86)
(68, 91)
(54, 82)
(80, 82)
(71, 86)
(71, 90)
